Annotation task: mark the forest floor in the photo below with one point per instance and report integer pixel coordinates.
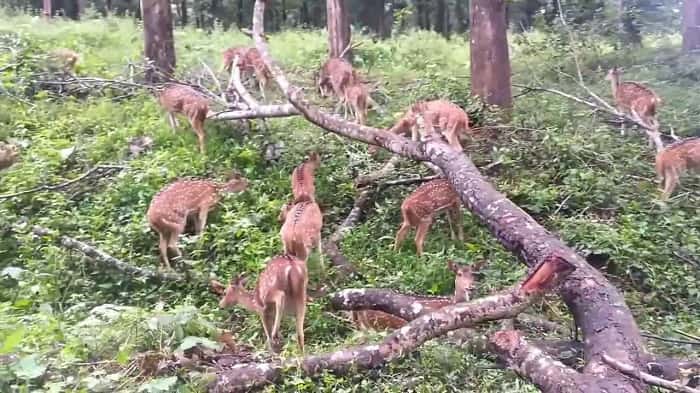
(67, 324)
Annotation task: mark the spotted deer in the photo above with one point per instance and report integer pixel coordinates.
(301, 228)
(422, 205)
(674, 160)
(356, 99)
(249, 63)
(182, 200)
(303, 177)
(335, 74)
(9, 154)
(636, 100)
(65, 59)
(424, 117)
(281, 289)
(465, 280)
(189, 102)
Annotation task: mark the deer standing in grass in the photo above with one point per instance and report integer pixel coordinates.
(281, 289)
(182, 200)
(249, 63)
(465, 280)
(189, 102)
(674, 160)
(638, 101)
(65, 59)
(303, 177)
(301, 228)
(423, 118)
(9, 154)
(335, 74)
(356, 99)
(420, 208)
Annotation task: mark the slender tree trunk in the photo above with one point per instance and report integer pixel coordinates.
(47, 9)
(158, 37)
(387, 21)
(691, 25)
(284, 12)
(462, 22)
(490, 64)
(183, 12)
(338, 28)
(372, 15)
(441, 18)
(240, 14)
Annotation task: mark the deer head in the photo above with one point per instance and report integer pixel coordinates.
(464, 279)
(233, 293)
(237, 183)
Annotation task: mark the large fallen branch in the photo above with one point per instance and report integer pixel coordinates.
(598, 308)
(647, 378)
(506, 304)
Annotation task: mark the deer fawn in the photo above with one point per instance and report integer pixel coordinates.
(64, 58)
(464, 286)
(9, 154)
(419, 209)
(356, 97)
(451, 121)
(335, 74)
(182, 200)
(301, 228)
(635, 99)
(674, 160)
(303, 177)
(281, 289)
(189, 102)
(250, 63)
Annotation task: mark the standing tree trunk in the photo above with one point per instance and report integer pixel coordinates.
(490, 64)
(183, 12)
(158, 37)
(441, 18)
(372, 15)
(47, 9)
(691, 25)
(338, 28)
(462, 22)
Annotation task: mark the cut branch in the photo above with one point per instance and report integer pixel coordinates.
(109, 261)
(647, 378)
(65, 184)
(261, 112)
(505, 305)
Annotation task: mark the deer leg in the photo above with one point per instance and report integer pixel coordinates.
(671, 180)
(198, 127)
(455, 216)
(401, 234)
(267, 318)
(172, 243)
(278, 299)
(163, 245)
(300, 315)
(421, 232)
(201, 220)
(172, 120)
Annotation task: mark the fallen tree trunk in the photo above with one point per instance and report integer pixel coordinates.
(506, 304)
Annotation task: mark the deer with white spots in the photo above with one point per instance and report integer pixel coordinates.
(281, 289)
(465, 280)
(303, 177)
(182, 200)
(189, 102)
(420, 208)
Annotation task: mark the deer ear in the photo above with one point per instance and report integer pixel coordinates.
(452, 266)
(217, 287)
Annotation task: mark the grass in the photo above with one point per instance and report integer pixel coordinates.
(574, 174)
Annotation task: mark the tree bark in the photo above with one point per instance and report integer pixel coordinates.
(490, 64)
(691, 25)
(338, 22)
(183, 12)
(158, 37)
(441, 18)
(462, 20)
(47, 12)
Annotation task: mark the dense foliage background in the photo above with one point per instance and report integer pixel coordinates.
(67, 325)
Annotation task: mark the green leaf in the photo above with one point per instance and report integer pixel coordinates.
(28, 367)
(12, 341)
(123, 355)
(192, 341)
(159, 385)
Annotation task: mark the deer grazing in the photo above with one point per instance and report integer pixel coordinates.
(249, 63)
(335, 74)
(303, 177)
(635, 99)
(419, 209)
(189, 102)
(64, 58)
(423, 117)
(674, 160)
(9, 154)
(464, 286)
(281, 289)
(182, 200)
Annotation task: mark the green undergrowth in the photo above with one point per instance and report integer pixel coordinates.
(67, 324)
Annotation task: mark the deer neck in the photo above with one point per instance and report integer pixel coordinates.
(249, 301)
